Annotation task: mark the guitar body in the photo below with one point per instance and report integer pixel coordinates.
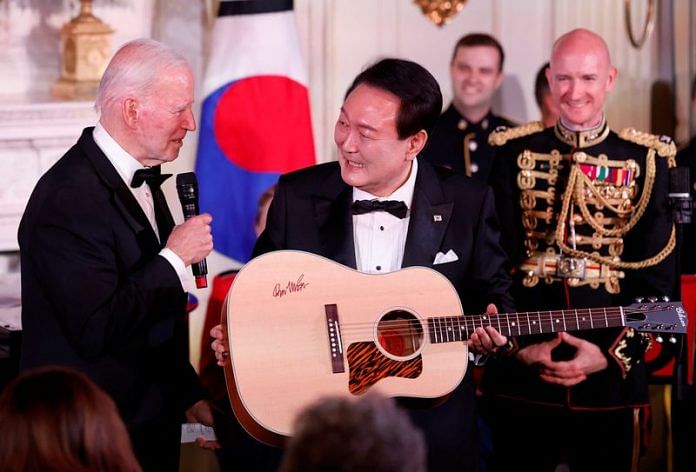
(286, 308)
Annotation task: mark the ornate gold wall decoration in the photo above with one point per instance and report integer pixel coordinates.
(86, 48)
(440, 12)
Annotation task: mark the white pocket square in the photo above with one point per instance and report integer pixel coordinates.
(443, 258)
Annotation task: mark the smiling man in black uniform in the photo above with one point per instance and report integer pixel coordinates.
(460, 137)
(588, 226)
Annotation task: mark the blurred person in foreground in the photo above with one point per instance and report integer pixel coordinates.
(57, 419)
(344, 434)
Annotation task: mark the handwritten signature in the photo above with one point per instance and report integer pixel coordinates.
(290, 287)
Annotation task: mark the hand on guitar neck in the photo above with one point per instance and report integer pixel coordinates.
(487, 340)
(588, 359)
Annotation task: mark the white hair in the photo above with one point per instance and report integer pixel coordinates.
(134, 70)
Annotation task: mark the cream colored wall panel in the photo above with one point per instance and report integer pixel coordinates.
(684, 18)
(431, 46)
(526, 32)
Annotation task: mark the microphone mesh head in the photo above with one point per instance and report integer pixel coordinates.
(187, 178)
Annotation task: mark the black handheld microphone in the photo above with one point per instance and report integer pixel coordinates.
(187, 188)
(679, 196)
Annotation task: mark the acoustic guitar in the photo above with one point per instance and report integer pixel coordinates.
(300, 326)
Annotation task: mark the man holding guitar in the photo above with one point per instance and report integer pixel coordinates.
(379, 209)
(588, 226)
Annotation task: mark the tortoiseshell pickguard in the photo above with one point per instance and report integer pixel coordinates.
(368, 365)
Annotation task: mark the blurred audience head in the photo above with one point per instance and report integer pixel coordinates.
(339, 434)
(57, 419)
(544, 100)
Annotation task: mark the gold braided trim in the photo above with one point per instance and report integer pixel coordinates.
(664, 146)
(467, 155)
(560, 229)
(498, 138)
(581, 181)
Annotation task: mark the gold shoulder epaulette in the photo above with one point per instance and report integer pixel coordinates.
(663, 145)
(502, 134)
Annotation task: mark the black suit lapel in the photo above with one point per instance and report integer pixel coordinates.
(430, 217)
(124, 200)
(335, 223)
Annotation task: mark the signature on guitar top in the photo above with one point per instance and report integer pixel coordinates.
(300, 327)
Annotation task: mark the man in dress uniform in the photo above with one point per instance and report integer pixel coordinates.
(587, 225)
(460, 137)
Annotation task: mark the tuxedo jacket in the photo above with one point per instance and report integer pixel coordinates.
(311, 212)
(95, 294)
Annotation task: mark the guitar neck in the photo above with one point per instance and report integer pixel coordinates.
(444, 329)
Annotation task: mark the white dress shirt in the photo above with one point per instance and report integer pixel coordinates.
(380, 237)
(126, 165)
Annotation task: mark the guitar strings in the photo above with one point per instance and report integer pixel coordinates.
(537, 322)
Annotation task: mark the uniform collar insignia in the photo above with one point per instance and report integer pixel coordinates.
(582, 139)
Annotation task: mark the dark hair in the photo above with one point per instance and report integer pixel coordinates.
(345, 434)
(55, 418)
(415, 87)
(693, 89)
(480, 39)
(541, 85)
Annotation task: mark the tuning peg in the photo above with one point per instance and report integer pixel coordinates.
(659, 339)
(673, 340)
(665, 298)
(639, 299)
(652, 299)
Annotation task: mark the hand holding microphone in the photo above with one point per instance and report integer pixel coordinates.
(192, 241)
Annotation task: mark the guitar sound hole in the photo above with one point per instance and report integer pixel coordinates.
(400, 333)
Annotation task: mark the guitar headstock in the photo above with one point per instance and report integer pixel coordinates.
(656, 317)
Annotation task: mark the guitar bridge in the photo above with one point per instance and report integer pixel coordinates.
(333, 329)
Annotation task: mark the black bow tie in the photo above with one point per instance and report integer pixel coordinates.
(152, 175)
(396, 208)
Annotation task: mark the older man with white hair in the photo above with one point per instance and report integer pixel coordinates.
(104, 266)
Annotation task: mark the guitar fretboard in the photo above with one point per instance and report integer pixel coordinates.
(443, 329)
